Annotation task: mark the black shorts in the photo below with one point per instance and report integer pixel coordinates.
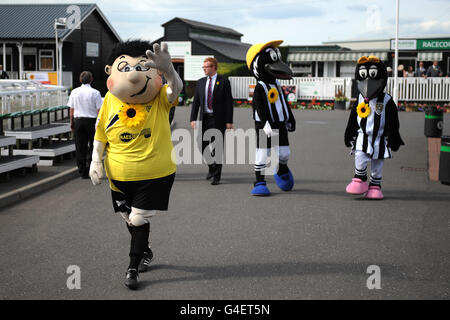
(282, 137)
(150, 194)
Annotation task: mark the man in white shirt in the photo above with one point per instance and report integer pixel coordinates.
(84, 103)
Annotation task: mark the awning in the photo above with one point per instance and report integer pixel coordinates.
(429, 56)
(333, 56)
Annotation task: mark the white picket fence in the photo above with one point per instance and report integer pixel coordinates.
(409, 89)
(307, 88)
(421, 89)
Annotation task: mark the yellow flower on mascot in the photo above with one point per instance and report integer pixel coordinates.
(272, 95)
(131, 115)
(363, 110)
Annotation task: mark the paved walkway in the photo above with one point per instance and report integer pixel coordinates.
(315, 242)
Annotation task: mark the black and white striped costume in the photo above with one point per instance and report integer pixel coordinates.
(279, 111)
(279, 115)
(371, 139)
(374, 135)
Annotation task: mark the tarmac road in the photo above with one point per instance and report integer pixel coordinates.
(218, 242)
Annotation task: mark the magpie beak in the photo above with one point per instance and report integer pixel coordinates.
(279, 70)
(370, 88)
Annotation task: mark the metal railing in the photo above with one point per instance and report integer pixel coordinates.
(26, 95)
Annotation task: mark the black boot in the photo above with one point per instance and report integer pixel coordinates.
(131, 280)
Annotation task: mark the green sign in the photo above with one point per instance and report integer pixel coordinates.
(433, 44)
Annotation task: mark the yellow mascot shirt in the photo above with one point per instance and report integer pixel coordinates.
(139, 152)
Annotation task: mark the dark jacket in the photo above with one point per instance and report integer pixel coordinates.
(222, 102)
(3, 75)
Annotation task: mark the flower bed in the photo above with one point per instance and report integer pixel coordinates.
(302, 105)
(422, 106)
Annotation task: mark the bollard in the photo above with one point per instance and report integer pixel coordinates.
(444, 161)
(434, 123)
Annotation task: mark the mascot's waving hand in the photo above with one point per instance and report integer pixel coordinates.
(270, 111)
(133, 127)
(373, 127)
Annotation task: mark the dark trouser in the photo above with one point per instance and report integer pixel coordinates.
(84, 131)
(209, 123)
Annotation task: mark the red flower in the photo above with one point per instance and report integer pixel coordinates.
(303, 103)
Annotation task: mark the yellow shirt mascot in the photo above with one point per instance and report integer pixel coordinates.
(133, 127)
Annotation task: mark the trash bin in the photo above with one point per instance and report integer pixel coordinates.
(434, 122)
(444, 161)
(181, 99)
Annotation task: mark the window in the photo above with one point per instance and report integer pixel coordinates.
(46, 60)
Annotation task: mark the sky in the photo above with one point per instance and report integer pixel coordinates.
(297, 22)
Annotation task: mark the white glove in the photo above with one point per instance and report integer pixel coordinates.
(268, 129)
(96, 169)
(161, 60)
(96, 172)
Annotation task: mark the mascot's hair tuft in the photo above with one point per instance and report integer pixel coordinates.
(132, 48)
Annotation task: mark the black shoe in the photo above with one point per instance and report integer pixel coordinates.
(215, 182)
(131, 280)
(144, 265)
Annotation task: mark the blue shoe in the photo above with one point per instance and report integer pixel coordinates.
(285, 181)
(261, 189)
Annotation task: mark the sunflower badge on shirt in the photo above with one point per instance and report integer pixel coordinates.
(363, 110)
(131, 115)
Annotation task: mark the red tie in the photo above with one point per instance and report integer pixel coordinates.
(209, 94)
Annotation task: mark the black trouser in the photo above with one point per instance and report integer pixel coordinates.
(84, 131)
(209, 123)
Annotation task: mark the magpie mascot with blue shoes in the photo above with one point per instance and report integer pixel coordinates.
(270, 111)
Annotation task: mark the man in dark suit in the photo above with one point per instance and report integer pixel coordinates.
(214, 100)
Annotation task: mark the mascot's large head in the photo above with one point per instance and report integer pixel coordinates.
(264, 62)
(371, 76)
(129, 80)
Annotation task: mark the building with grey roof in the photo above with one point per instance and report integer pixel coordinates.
(28, 42)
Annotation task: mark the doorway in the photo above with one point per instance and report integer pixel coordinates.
(29, 62)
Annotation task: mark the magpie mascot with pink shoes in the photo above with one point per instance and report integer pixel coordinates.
(270, 111)
(372, 129)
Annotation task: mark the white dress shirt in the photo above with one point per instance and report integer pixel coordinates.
(213, 79)
(86, 101)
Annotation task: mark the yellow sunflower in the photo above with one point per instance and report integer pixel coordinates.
(272, 95)
(131, 115)
(363, 110)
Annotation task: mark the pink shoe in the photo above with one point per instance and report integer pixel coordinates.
(374, 193)
(357, 186)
